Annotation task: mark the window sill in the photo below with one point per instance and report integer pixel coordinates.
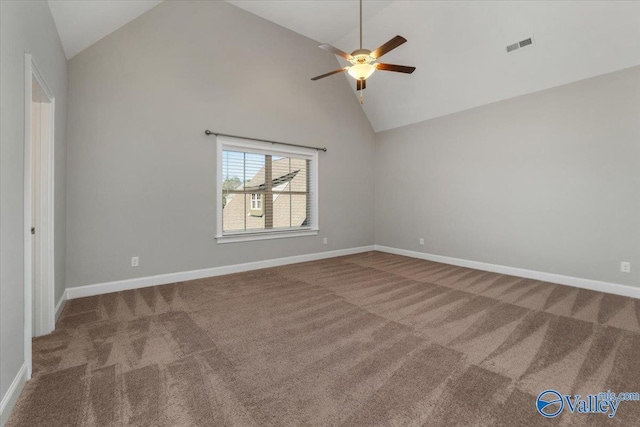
(265, 236)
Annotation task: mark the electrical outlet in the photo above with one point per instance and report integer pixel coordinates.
(324, 241)
(421, 241)
(135, 261)
(625, 267)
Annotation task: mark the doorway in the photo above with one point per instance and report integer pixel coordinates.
(38, 206)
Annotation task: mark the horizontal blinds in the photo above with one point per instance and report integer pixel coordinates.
(265, 192)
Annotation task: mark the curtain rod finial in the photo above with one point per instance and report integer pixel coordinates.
(208, 132)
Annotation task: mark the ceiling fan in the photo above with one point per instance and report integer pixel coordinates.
(363, 60)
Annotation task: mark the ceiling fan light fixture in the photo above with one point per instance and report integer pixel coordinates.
(361, 71)
(364, 61)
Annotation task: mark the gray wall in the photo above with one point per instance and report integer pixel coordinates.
(548, 181)
(26, 27)
(141, 172)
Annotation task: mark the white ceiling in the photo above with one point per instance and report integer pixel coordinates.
(325, 21)
(458, 47)
(81, 23)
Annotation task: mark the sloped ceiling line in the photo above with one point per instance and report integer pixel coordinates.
(457, 47)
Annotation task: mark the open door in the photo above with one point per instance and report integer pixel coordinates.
(39, 206)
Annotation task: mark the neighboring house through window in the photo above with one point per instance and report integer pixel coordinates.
(265, 190)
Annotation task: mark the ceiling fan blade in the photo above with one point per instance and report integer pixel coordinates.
(388, 46)
(396, 68)
(361, 84)
(336, 51)
(330, 73)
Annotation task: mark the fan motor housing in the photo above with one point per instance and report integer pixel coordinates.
(361, 56)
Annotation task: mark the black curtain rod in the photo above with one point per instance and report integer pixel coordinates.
(208, 132)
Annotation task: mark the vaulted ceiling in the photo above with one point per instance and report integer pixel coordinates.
(81, 23)
(458, 47)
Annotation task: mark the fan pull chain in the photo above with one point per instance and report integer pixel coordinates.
(361, 97)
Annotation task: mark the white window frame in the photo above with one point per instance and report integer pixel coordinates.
(226, 143)
(256, 202)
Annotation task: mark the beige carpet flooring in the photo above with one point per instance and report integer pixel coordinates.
(363, 340)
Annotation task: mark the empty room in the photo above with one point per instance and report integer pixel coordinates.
(319, 213)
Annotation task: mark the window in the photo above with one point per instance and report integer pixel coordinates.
(256, 202)
(265, 190)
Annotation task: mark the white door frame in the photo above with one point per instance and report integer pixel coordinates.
(44, 303)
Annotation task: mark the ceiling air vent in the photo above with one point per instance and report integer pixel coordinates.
(526, 42)
(513, 47)
(520, 44)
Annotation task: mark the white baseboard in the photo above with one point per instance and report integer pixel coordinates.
(594, 285)
(163, 279)
(60, 306)
(11, 397)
